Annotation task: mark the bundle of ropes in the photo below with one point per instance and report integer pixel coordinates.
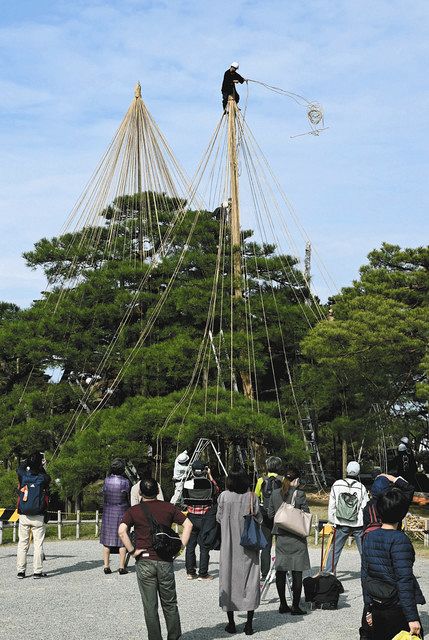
(314, 110)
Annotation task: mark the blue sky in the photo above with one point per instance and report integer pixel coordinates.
(68, 70)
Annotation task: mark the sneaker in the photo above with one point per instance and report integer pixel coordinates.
(37, 576)
(206, 577)
(107, 570)
(20, 575)
(191, 576)
(122, 572)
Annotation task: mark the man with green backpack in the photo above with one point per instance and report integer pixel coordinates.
(347, 500)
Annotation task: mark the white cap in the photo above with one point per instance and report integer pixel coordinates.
(353, 469)
(402, 447)
(235, 65)
(183, 457)
(404, 440)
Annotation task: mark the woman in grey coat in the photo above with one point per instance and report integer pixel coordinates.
(291, 550)
(239, 573)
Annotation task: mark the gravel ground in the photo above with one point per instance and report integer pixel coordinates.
(78, 601)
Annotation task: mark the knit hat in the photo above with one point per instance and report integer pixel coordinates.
(380, 486)
(353, 469)
(198, 468)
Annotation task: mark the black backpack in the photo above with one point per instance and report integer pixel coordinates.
(165, 542)
(268, 485)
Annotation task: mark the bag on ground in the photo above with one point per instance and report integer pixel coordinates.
(324, 589)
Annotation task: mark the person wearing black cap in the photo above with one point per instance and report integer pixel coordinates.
(199, 494)
(230, 79)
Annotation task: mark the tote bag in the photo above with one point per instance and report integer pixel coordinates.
(291, 519)
(252, 537)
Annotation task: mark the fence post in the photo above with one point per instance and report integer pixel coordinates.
(59, 523)
(77, 524)
(426, 535)
(14, 532)
(97, 520)
(1, 531)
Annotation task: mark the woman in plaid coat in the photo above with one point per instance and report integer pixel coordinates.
(116, 494)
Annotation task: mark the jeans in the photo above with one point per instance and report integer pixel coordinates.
(190, 556)
(35, 525)
(342, 533)
(154, 578)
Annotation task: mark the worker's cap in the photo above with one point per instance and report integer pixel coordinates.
(183, 457)
(380, 485)
(353, 469)
(235, 65)
(402, 447)
(404, 440)
(198, 467)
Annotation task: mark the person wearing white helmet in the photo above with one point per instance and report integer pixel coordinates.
(230, 79)
(406, 463)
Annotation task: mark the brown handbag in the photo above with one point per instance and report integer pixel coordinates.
(293, 520)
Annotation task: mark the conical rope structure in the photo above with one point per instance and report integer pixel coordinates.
(139, 207)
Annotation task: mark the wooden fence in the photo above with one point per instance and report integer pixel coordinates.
(416, 526)
(58, 520)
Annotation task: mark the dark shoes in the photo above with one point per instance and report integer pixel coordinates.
(122, 572)
(20, 575)
(284, 608)
(37, 576)
(107, 570)
(296, 611)
(207, 577)
(231, 628)
(248, 629)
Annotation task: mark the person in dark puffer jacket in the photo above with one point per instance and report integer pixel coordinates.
(388, 556)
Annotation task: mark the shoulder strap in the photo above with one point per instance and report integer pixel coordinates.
(151, 520)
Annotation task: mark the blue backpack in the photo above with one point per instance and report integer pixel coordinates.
(32, 499)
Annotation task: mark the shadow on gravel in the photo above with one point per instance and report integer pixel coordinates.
(263, 621)
(85, 565)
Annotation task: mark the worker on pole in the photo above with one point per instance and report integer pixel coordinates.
(230, 79)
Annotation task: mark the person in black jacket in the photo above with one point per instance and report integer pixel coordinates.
(372, 520)
(230, 79)
(390, 590)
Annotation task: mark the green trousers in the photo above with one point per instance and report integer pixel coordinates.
(157, 578)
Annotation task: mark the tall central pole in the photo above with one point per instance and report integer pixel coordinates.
(235, 201)
(237, 283)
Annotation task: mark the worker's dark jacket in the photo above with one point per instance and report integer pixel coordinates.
(228, 82)
(389, 556)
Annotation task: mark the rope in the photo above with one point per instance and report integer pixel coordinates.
(315, 113)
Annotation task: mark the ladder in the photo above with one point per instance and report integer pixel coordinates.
(202, 445)
(314, 462)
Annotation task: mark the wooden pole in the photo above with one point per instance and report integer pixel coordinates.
(344, 457)
(234, 219)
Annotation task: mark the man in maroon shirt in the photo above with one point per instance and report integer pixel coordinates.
(154, 576)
